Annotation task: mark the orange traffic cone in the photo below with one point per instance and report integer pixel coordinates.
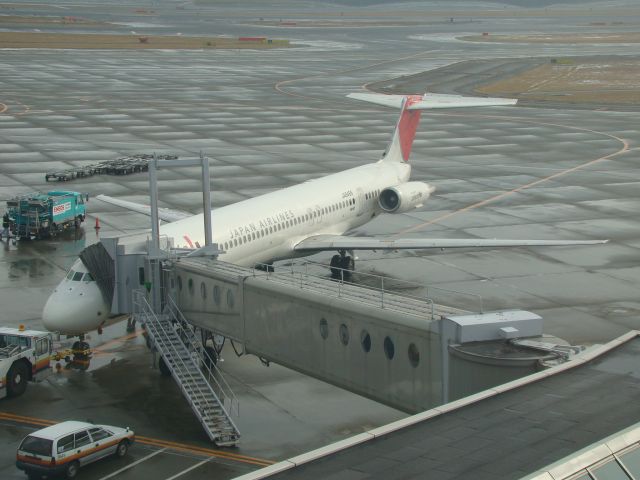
(97, 223)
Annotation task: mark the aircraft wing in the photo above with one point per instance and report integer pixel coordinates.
(432, 100)
(337, 242)
(165, 214)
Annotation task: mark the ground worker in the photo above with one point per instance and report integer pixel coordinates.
(5, 226)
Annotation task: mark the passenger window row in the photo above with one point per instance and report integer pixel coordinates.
(372, 195)
(287, 224)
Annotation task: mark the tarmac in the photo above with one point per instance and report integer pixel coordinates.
(270, 119)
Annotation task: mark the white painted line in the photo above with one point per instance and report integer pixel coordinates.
(192, 467)
(118, 472)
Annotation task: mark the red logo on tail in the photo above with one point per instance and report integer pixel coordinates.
(409, 120)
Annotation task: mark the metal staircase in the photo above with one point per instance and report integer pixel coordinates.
(200, 381)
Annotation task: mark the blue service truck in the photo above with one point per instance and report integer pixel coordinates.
(42, 215)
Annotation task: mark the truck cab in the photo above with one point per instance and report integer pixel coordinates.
(25, 355)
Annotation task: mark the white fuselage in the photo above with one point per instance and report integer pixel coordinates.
(266, 228)
(258, 230)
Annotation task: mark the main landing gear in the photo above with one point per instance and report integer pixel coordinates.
(342, 265)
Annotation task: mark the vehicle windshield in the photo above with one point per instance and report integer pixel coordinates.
(37, 446)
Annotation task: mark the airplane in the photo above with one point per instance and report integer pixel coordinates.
(296, 221)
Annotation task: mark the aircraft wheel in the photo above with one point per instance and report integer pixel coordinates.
(348, 264)
(335, 266)
(210, 357)
(162, 366)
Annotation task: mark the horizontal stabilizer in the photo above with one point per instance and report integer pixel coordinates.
(432, 100)
(338, 242)
(165, 214)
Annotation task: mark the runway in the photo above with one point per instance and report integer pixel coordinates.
(270, 119)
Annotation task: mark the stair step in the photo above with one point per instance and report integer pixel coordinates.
(177, 349)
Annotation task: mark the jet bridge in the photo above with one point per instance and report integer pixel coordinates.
(375, 336)
(404, 350)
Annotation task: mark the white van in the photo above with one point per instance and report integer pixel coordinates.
(63, 448)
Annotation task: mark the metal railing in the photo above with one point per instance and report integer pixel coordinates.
(213, 373)
(380, 293)
(144, 309)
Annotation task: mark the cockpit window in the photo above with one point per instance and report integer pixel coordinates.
(77, 276)
(70, 274)
(87, 277)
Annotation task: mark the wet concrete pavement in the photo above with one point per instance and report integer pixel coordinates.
(269, 119)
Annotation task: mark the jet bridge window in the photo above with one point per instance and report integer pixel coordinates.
(324, 328)
(365, 341)
(414, 355)
(230, 299)
(344, 334)
(389, 349)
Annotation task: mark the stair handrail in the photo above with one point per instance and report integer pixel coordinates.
(146, 309)
(212, 369)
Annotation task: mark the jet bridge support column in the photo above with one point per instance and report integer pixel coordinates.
(155, 253)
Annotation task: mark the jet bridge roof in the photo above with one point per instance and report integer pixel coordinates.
(504, 433)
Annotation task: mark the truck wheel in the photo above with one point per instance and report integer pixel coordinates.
(76, 222)
(72, 470)
(17, 379)
(123, 448)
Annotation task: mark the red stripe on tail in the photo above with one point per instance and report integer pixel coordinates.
(408, 125)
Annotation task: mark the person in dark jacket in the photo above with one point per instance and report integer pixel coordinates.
(5, 226)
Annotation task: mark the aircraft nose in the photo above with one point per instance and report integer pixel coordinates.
(74, 310)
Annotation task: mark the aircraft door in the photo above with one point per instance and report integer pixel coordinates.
(361, 205)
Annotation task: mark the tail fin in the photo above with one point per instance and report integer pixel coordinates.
(399, 148)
